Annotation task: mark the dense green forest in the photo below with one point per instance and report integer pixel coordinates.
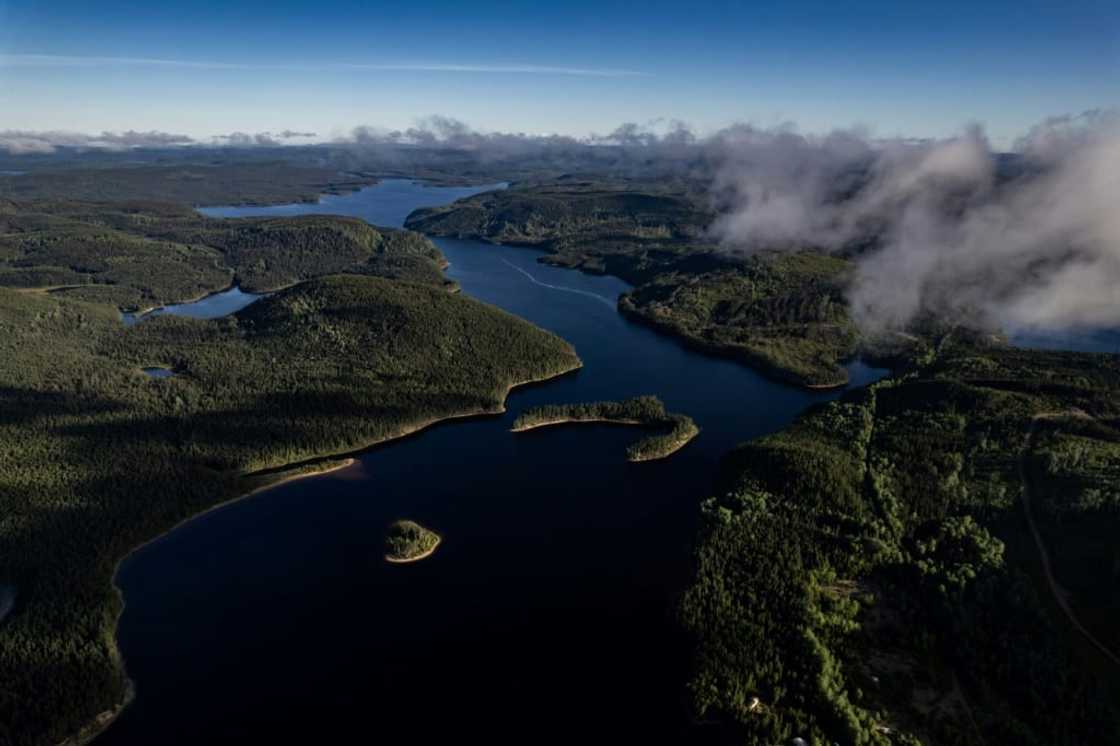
(782, 313)
(676, 430)
(97, 457)
(869, 575)
(205, 181)
(140, 255)
(407, 541)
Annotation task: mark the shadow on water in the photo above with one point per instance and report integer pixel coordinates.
(546, 614)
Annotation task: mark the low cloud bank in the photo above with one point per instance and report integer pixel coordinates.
(260, 139)
(946, 227)
(26, 142)
(22, 142)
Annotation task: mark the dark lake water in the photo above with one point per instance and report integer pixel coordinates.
(546, 614)
(1078, 340)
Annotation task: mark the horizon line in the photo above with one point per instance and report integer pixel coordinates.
(54, 60)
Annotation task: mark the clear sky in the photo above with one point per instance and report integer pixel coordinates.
(903, 67)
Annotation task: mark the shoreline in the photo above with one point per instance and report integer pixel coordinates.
(576, 421)
(139, 314)
(346, 463)
(101, 722)
(676, 446)
(417, 558)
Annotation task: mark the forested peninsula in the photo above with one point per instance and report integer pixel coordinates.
(676, 430)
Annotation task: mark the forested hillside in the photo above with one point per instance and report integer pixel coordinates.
(869, 575)
(140, 255)
(97, 457)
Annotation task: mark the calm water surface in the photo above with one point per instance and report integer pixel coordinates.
(159, 372)
(213, 306)
(546, 614)
(1078, 340)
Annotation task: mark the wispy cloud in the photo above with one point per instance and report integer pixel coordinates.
(53, 60)
(28, 142)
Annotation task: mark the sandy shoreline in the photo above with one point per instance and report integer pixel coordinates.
(346, 463)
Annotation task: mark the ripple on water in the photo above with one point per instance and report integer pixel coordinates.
(7, 600)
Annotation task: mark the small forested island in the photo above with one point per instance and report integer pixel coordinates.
(643, 411)
(408, 541)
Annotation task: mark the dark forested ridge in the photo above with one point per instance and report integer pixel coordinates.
(97, 457)
(782, 313)
(202, 181)
(143, 254)
(868, 575)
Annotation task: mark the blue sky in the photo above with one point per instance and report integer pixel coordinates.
(205, 68)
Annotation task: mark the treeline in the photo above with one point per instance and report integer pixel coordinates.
(865, 576)
(644, 411)
(647, 410)
(199, 183)
(140, 255)
(783, 313)
(96, 457)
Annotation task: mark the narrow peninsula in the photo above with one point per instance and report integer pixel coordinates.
(642, 411)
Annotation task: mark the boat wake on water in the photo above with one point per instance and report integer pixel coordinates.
(577, 291)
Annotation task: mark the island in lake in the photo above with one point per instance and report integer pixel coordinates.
(641, 411)
(408, 541)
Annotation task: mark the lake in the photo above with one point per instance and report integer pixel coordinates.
(212, 306)
(546, 615)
